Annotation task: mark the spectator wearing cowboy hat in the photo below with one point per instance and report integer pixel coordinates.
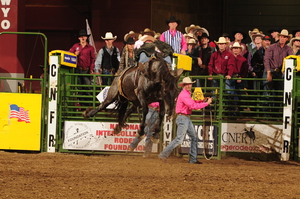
(148, 31)
(295, 45)
(108, 58)
(274, 32)
(128, 56)
(238, 37)
(191, 44)
(184, 106)
(174, 37)
(220, 62)
(85, 60)
(85, 57)
(257, 41)
(201, 56)
(273, 60)
(240, 70)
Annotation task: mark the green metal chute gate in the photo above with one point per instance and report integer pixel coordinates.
(251, 106)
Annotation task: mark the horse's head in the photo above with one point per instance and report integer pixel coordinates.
(170, 91)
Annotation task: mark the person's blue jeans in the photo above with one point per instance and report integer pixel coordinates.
(106, 78)
(184, 126)
(151, 119)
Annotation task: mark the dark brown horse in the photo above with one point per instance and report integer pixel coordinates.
(153, 82)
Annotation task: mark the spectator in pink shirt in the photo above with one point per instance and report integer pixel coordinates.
(184, 106)
(174, 37)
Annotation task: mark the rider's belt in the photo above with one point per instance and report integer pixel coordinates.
(155, 109)
(183, 114)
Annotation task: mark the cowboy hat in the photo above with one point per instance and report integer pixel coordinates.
(109, 35)
(257, 35)
(191, 27)
(204, 35)
(189, 35)
(222, 40)
(147, 38)
(132, 34)
(82, 32)
(285, 33)
(148, 31)
(204, 30)
(186, 80)
(173, 19)
(292, 41)
(130, 40)
(236, 45)
(254, 31)
(191, 41)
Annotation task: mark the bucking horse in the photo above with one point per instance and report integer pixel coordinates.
(142, 85)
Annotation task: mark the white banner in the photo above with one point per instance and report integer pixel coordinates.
(254, 138)
(100, 136)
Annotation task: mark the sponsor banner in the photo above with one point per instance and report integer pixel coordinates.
(20, 121)
(207, 140)
(254, 138)
(100, 136)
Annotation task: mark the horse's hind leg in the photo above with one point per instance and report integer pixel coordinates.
(112, 96)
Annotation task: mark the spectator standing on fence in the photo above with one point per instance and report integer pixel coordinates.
(108, 59)
(184, 106)
(152, 119)
(173, 37)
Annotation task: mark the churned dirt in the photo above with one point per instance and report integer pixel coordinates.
(58, 175)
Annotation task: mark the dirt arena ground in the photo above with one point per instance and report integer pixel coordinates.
(46, 175)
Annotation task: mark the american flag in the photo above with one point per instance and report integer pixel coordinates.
(19, 113)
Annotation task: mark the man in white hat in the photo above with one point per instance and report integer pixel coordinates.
(220, 62)
(108, 58)
(273, 59)
(240, 70)
(184, 106)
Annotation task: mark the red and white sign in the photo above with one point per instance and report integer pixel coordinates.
(100, 136)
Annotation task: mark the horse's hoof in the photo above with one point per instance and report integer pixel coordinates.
(154, 140)
(84, 115)
(140, 136)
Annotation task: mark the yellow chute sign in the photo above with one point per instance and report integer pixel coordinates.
(20, 121)
(198, 94)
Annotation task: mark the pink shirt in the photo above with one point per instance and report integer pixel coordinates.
(154, 105)
(185, 104)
